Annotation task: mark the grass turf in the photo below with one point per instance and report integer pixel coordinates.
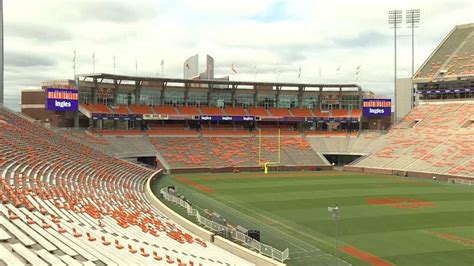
(290, 210)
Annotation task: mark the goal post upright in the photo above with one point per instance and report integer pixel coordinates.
(260, 150)
(279, 146)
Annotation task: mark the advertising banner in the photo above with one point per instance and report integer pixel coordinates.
(461, 90)
(377, 107)
(155, 117)
(117, 117)
(226, 118)
(62, 99)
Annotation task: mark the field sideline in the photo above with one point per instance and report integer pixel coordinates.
(384, 220)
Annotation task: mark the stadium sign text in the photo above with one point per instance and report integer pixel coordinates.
(377, 107)
(226, 118)
(59, 99)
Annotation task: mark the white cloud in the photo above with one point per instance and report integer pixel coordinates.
(268, 34)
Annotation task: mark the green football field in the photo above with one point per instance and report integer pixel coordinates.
(384, 220)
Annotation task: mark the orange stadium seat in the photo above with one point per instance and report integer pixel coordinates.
(188, 110)
(279, 112)
(120, 109)
(301, 112)
(97, 108)
(212, 111)
(236, 111)
(141, 109)
(72, 201)
(166, 110)
(258, 111)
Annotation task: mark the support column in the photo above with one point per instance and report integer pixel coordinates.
(162, 95)
(76, 120)
(210, 91)
(340, 97)
(115, 93)
(277, 96)
(234, 94)
(94, 91)
(186, 94)
(255, 94)
(138, 88)
(320, 97)
(300, 96)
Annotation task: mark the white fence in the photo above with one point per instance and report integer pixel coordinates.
(460, 181)
(229, 232)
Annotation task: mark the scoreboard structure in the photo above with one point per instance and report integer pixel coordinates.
(62, 99)
(377, 107)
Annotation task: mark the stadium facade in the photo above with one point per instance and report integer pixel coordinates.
(106, 95)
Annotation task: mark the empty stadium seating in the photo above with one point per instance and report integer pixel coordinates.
(258, 111)
(429, 139)
(120, 109)
(188, 110)
(210, 151)
(237, 111)
(279, 112)
(212, 111)
(303, 112)
(141, 109)
(65, 203)
(445, 56)
(166, 110)
(96, 108)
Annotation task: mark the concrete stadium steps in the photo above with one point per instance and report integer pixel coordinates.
(63, 202)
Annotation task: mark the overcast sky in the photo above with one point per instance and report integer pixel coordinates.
(40, 37)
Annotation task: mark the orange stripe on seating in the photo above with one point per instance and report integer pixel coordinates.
(367, 257)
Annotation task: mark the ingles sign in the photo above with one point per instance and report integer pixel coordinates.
(377, 107)
(225, 118)
(62, 99)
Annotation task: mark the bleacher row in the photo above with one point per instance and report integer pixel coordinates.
(215, 152)
(63, 203)
(454, 55)
(228, 111)
(435, 138)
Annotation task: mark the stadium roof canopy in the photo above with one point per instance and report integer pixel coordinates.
(234, 84)
(453, 59)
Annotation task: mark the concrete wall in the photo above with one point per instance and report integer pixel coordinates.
(394, 172)
(188, 225)
(403, 101)
(254, 257)
(251, 169)
(208, 236)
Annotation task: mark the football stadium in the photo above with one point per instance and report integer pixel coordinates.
(118, 169)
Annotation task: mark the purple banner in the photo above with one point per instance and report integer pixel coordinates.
(62, 99)
(444, 91)
(377, 107)
(226, 118)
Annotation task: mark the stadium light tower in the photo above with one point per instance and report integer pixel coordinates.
(395, 18)
(1, 52)
(412, 21)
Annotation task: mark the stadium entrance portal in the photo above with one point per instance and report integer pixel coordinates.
(341, 159)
